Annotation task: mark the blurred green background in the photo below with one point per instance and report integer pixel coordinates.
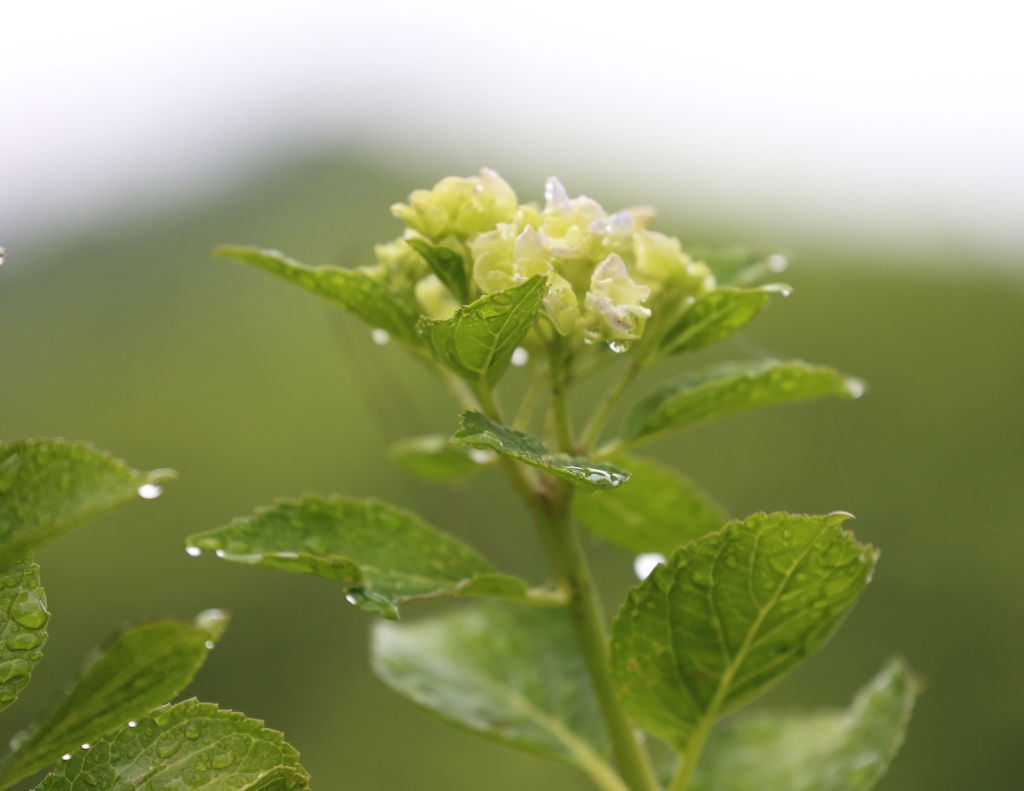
(129, 335)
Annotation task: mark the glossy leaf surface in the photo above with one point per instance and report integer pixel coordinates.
(48, 487)
(382, 555)
(730, 614)
(728, 388)
(139, 669)
(505, 671)
(447, 264)
(23, 619)
(478, 341)
(846, 750)
(479, 431)
(433, 459)
(659, 510)
(355, 291)
(190, 745)
(716, 315)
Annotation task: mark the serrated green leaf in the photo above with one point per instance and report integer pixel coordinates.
(479, 431)
(847, 750)
(478, 341)
(48, 487)
(189, 745)
(140, 668)
(355, 291)
(447, 264)
(659, 510)
(729, 615)
(507, 672)
(732, 387)
(382, 555)
(23, 619)
(737, 265)
(433, 459)
(716, 315)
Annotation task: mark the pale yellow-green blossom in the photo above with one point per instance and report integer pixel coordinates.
(614, 309)
(458, 206)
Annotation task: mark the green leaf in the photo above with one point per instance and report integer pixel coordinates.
(507, 672)
(140, 668)
(824, 751)
(447, 264)
(23, 618)
(658, 511)
(433, 459)
(382, 555)
(478, 341)
(357, 292)
(729, 615)
(189, 745)
(727, 388)
(716, 315)
(739, 266)
(479, 431)
(48, 487)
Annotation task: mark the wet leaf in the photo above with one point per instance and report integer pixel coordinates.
(716, 315)
(478, 341)
(732, 387)
(382, 555)
(447, 264)
(479, 431)
(504, 671)
(140, 668)
(659, 510)
(355, 291)
(729, 615)
(23, 619)
(189, 745)
(846, 750)
(433, 459)
(48, 487)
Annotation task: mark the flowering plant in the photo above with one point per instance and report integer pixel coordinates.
(479, 282)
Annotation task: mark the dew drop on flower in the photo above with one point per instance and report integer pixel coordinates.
(209, 645)
(193, 551)
(520, 357)
(150, 491)
(644, 564)
(86, 746)
(381, 337)
(132, 724)
(619, 346)
(66, 757)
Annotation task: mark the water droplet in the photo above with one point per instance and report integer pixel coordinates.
(23, 641)
(644, 564)
(150, 491)
(787, 535)
(3, 255)
(779, 288)
(481, 455)
(220, 553)
(699, 578)
(222, 760)
(66, 757)
(86, 746)
(209, 645)
(847, 514)
(193, 551)
(619, 346)
(191, 732)
(381, 337)
(133, 724)
(777, 263)
(520, 357)
(352, 599)
(855, 387)
(166, 751)
(28, 610)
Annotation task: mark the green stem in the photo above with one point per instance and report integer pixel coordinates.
(562, 546)
(560, 395)
(592, 431)
(535, 389)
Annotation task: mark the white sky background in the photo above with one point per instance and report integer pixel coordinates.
(898, 122)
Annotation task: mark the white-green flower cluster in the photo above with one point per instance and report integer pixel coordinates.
(606, 272)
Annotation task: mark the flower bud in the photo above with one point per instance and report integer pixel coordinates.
(459, 206)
